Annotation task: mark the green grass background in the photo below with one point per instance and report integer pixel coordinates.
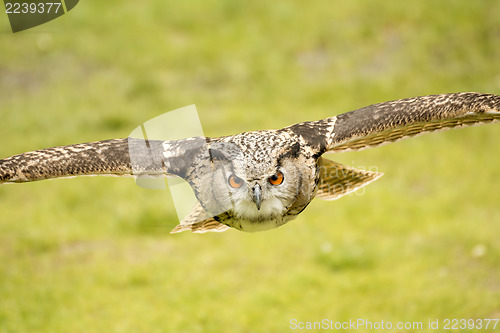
(95, 254)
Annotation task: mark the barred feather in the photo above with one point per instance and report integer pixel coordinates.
(108, 157)
(388, 122)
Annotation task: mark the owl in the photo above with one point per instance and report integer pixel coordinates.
(259, 180)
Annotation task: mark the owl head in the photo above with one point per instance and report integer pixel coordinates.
(253, 181)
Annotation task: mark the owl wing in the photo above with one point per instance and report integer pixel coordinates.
(118, 157)
(388, 122)
(102, 157)
(337, 180)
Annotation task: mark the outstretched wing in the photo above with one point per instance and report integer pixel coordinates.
(119, 157)
(388, 122)
(103, 157)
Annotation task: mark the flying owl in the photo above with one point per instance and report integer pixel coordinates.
(260, 180)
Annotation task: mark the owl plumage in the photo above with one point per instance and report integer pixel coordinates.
(259, 180)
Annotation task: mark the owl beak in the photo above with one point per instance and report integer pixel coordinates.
(257, 196)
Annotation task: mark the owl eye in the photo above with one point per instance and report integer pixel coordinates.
(277, 178)
(235, 182)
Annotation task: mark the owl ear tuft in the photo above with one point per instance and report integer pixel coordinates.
(292, 152)
(217, 155)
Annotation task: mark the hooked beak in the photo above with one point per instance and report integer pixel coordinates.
(257, 195)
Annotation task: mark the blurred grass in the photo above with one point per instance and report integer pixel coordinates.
(94, 254)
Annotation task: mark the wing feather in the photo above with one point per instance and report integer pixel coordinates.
(117, 157)
(388, 122)
(198, 221)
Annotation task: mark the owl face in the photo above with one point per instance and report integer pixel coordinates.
(256, 192)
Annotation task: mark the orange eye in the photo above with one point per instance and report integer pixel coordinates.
(234, 181)
(276, 179)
